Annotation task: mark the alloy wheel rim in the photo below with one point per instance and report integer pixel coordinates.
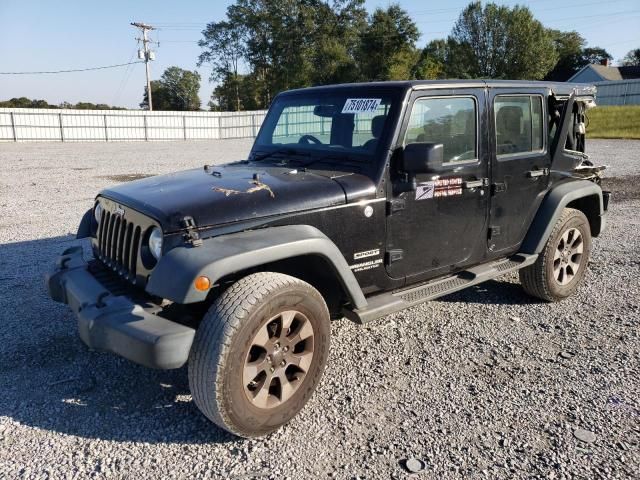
(568, 256)
(278, 359)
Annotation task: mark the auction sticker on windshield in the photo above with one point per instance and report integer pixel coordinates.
(361, 105)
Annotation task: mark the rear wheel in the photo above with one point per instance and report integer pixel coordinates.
(559, 269)
(259, 353)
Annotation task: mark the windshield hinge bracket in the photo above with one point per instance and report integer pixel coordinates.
(191, 235)
(395, 206)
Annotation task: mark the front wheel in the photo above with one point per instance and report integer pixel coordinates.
(259, 353)
(559, 269)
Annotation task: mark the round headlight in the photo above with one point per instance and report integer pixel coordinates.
(97, 212)
(155, 243)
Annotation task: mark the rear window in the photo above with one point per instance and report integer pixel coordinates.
(519, 124)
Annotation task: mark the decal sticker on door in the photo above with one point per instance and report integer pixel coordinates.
(367, 253)
(444, 187)
(360, 267)
(361, 105)
(425, 190)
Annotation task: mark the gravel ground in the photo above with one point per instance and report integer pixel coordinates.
(485, 383)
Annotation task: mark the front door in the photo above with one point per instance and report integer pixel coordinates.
(520, 165)
(441, 226)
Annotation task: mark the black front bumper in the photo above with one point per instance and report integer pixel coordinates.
(116, 323)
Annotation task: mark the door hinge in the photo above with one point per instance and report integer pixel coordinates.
(494, 232)
(191, 235)
(498, 188)
(394, 255)
(395, 206)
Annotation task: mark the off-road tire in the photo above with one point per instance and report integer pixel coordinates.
(539, 279)
(224, 337)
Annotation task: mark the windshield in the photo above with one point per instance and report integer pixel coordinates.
(348, 122)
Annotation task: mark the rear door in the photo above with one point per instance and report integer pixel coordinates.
(441, 226)
(520, 163)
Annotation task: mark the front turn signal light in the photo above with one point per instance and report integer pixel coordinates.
(202, 283)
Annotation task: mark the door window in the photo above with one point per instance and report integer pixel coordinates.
(450, 121)
(519, 124)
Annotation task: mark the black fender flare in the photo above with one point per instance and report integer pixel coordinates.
(84, 229)
(174, 275)
(551, 208)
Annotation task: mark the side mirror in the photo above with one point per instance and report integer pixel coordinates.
(422, 158)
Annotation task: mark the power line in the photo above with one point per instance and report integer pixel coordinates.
(70, 71)
(412, 13)
(125, 78)
(605, 15)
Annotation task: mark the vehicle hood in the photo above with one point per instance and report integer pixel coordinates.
(236, 192)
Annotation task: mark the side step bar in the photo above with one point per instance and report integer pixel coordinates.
(391, 302)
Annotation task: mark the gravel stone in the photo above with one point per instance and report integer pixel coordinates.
(414, 465)
(456, 381)
(584, 435)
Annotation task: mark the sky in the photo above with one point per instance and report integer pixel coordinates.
(71, 34)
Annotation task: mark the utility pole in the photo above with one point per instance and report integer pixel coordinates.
(146, 54)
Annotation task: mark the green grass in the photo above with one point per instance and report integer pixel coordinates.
(614, 122)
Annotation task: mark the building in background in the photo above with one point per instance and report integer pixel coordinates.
(616, 85)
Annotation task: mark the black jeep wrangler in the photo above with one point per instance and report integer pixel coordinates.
(356, 200)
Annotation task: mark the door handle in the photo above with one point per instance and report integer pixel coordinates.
(483, 182)
(538, 173)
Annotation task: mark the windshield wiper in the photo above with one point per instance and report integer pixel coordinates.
(332, 156)
(280, 151)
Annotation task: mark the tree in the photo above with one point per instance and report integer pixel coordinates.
(224, 47)
(93, 106)
(573, 55)
(594, 55)
(388, 45)
(501, 42)
(337, 38)
(223, 97)
(177, 89)
(24, 102)
(632, 58)
(569, 47)
(432, 62)
(281, 44)
(160, 97)
(280, 36)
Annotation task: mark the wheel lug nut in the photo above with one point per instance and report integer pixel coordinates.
(286, 349)
(283, 363)
(272, 369)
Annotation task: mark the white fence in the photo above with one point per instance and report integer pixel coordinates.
(618, 92)
(33, 124)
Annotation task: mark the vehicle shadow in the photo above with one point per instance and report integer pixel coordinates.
(493, 292)
(51, 380)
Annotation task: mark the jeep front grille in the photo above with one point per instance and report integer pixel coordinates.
(119, 243)
(119, 240)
